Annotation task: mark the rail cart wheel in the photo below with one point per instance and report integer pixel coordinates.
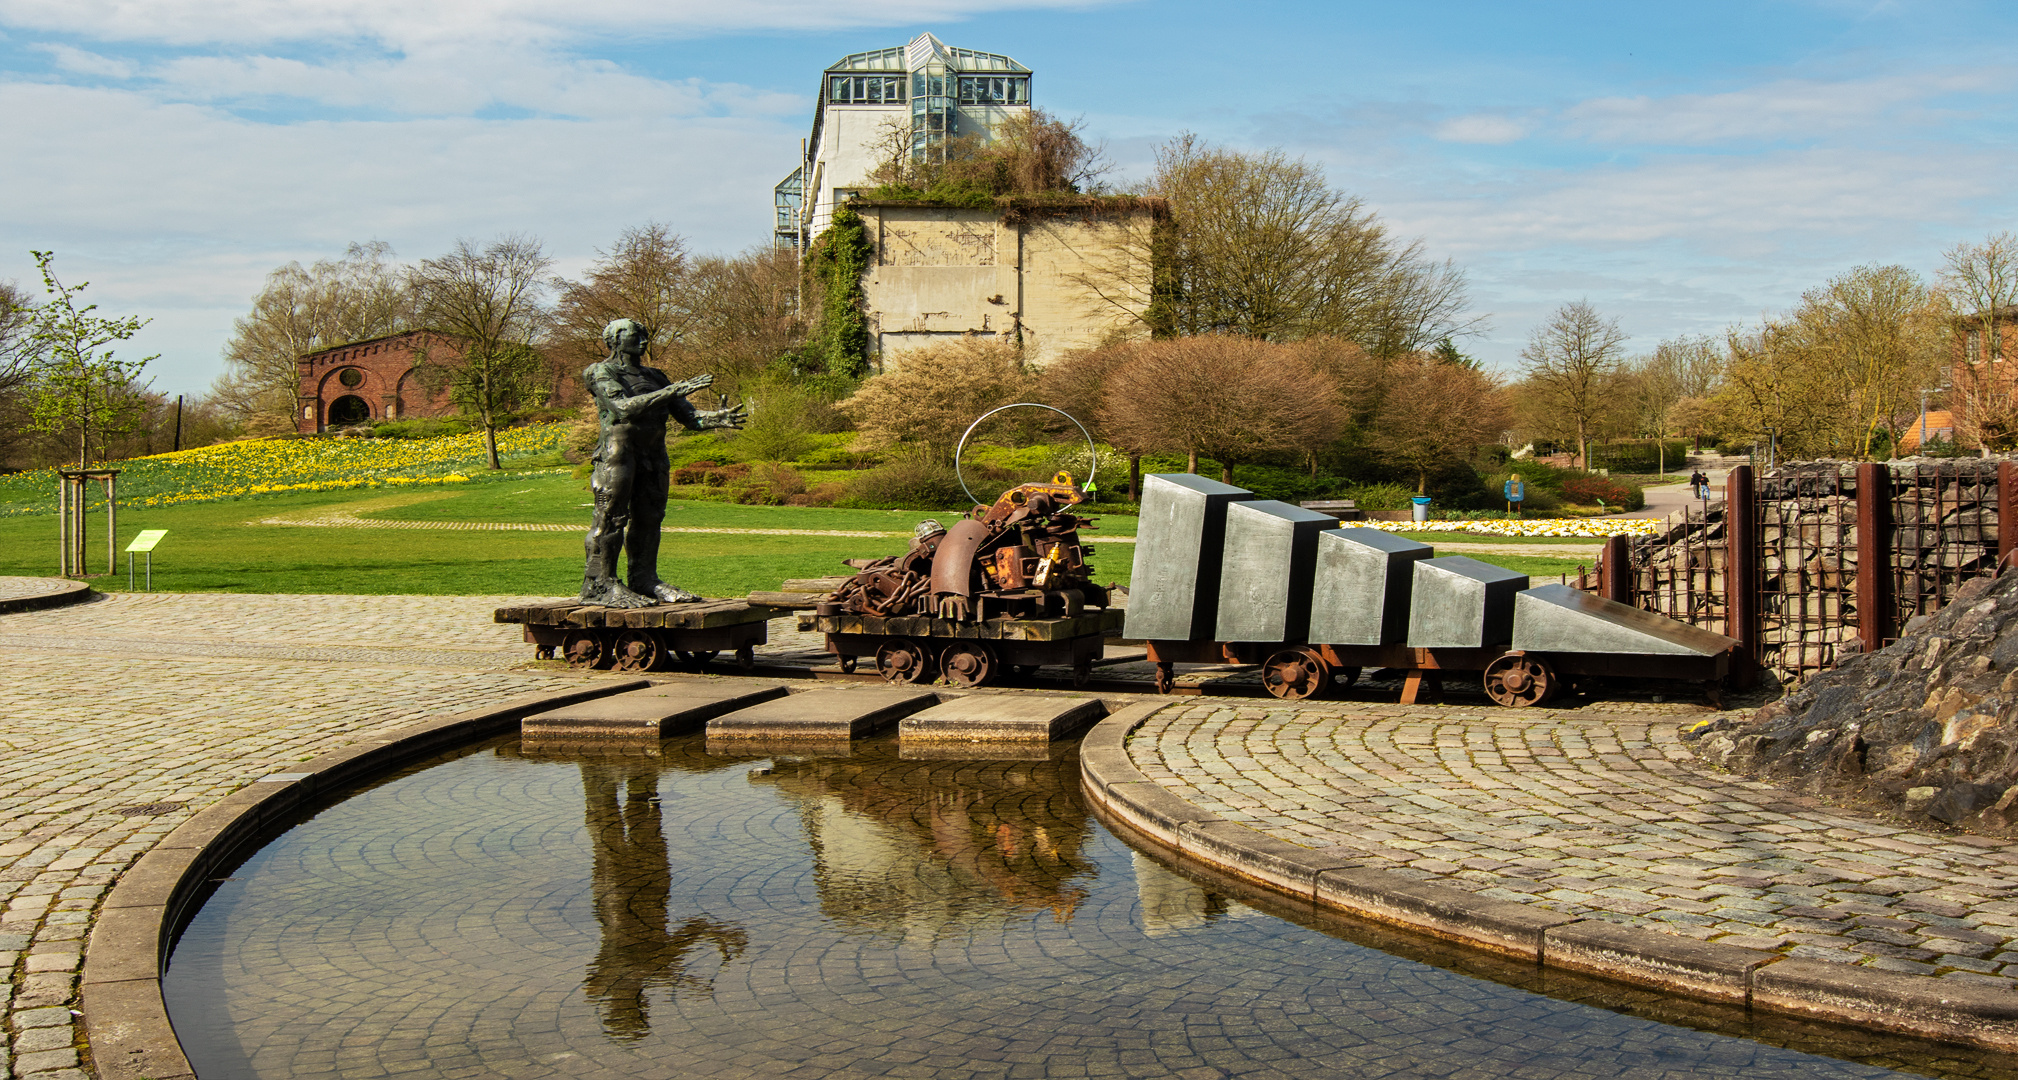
(746, 657)
(1517, 679)
(639, 650)
(696, 659)
(903, 662)
(1166, 678)
(847, 665)
(969, 663)
(584, 649)
(1296, 674)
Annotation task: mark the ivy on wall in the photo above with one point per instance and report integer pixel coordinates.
(837, 264)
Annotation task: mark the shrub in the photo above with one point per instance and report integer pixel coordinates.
(769, 484)
(419, 428)
(1591, 490)
(914, 481)
(929, 395)
(1379, 496)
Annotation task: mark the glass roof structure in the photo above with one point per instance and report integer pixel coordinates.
(944, 91)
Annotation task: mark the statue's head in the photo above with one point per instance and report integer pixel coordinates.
(618, 330)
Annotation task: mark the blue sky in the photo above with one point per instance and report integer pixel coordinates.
(1683, 167)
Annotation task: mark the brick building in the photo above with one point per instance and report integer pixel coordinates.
(371, 380)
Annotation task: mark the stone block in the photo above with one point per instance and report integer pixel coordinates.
(1002, 717)
(1363, 583)
(1453, 914)
(1267, 569)
(1557, 618)
(1461, 603)
(822, 714)
(656, 712)
(1179, 546)
(1651, 958)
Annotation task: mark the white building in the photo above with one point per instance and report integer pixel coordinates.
(927, 90)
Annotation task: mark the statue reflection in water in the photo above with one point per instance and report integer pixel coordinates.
(641, 951)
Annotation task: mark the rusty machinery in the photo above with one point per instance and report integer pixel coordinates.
(1020, 557)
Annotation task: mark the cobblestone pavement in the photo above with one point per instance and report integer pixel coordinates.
(21, 588)
(1602, 816)
(125, 715)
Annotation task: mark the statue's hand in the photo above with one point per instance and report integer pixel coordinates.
(733, 417)
(688, 386)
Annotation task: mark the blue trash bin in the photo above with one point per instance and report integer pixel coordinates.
(1420, 511)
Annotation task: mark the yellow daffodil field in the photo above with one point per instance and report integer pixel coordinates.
(1584, 528)
(270, 466)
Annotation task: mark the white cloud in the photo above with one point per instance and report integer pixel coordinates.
(79, 62)
(1483, 128)
(1784, 109)
(406, 23)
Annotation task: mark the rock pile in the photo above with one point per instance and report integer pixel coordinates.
(1926, 728)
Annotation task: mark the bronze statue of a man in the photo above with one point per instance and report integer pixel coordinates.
(631, 468)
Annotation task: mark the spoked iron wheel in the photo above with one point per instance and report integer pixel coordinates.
(1296, 674)
(584, 649)
(639, 650)
(1517, 679)
(968, 663)
(904, 662)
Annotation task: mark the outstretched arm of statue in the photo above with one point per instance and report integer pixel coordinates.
(688, 386)
(615, 398)
(733, 417)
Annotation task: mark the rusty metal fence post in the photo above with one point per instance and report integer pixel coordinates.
(1874, 555)
(1615, 576)
(1741, 574)
(2007, 511)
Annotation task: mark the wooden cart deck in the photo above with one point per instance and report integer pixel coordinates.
(919, 649)
(642, 639)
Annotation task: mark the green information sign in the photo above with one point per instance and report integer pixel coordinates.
(146, 540)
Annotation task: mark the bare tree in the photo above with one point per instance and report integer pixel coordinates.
(1265, 247)
(1878, 329)
(1436, 414)
(1030, 152)
(364, 295)
(494, 301)
(645, 276)
(1230, 398)
(1572, 360)
(1979, 283)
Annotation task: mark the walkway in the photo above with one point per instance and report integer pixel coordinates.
(1599, 816)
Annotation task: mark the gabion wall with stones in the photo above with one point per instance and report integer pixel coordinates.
(1944, 533)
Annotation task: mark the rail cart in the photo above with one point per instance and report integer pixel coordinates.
(643, 639)
(918, 649)
(1512, 677)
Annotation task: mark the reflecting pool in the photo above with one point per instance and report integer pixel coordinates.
(522, 911)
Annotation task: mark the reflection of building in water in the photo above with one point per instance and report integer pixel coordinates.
(640, 951)
(1170, 902)
(919, 847)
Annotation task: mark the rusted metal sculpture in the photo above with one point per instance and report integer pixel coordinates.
(1019, 558)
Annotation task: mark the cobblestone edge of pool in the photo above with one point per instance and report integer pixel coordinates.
(41, 593)
(1916, 1005)
(125, 1018)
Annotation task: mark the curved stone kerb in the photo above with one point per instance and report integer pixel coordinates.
(36, 594)
(1341, 880)
(125, 1019)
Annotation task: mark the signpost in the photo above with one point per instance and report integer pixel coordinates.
(144, 543)
(1516, 491)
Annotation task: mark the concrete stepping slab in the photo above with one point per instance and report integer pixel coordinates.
(1038, 718)
(812, 747)
(656, 712)
(828, 714)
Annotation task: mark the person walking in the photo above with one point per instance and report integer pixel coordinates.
(1701, 484)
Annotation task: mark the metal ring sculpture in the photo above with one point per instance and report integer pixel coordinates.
(1091, 452)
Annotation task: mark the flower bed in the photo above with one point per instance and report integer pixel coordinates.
(269, 466)
(1587, 528)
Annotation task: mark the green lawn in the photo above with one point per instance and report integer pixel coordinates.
(212, 547)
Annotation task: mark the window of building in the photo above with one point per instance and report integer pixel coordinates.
(865, 89)
(994, 90)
